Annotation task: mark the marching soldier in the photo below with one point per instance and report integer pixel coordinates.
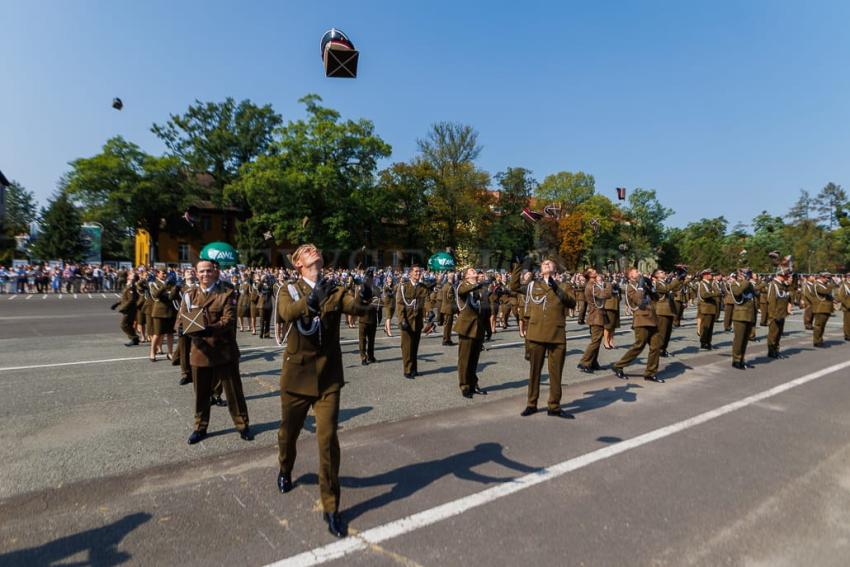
(761, 288)
(665, 304)
(141, 304)
(778, 307)
(612, 316)
(127, 307)
(728, 302)
(410, 308)
(243, 304)
(448, 308)
(743, 316)
(162, 314)
(254, 302)
(368, 323)
(708, 298)
(545, 309)
(471, 323)
(596, 292)
(184, 342)
(264, 306)
(806, 301)
(209, 311)
(312, 374)
(388, 298)
(843, 297)
(821, 302)
(639, 298)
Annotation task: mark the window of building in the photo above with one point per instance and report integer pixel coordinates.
(206, 222)
(182, 252)
(225, 224)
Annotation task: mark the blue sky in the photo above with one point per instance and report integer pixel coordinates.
(722, 107)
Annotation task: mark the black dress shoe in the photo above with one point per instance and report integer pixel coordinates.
(560, 413)
(665, 354)
(653, 378)
(819, 345)
(595, 366)
(738, 365)
(246, 434)
(408, 376)
(284, 482)
(335, 524)
(479, 391)
(618, 372)
(364, 362)
(585, 369)
(197, 436)
(372, 360)
(218, 401)
(185, 380)
(133, 342)
(528, 411)
(467, 394)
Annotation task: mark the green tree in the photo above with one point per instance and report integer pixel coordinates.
(831, 204)
(219, 138)
(802, 208)
(701, 244)
(143, 191)
(406, 187)
(20, 209)
(508, 232)
(459, 203)
(768, 236)
(59, 237)
(646, 230)
(567, 189)
(317, 182)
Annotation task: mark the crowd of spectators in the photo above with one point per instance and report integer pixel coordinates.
(70, 278)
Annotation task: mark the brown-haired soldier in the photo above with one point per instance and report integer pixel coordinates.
(312, 374)
(208, 312)
(410, 308)
(471, 323)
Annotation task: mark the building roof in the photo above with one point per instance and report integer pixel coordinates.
(3, 181)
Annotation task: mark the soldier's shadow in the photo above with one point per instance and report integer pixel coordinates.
(481, 366)
(674, 370)
(409, 479)
(100, 543)
(597, 399)
(309, 424)
(544, 379)
(268, 355)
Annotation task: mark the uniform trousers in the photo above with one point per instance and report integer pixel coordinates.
(819, 324)
(127, 325)
(644, 336)
(808, 317)
(294, 408)
(775, 328)
(410, 349)
(706, 329)
(665, 329)
(468, 352)
(591, 353)
(847, 325)
(742, 331)
(204, 379)
(557, 352)
(727, 316)
(448, 321)
(366, 340)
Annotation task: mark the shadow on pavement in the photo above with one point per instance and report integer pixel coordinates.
(100, 543)
(309, 424)
(409, 479)
(600, 398)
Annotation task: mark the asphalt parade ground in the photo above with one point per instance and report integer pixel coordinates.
(715, 467)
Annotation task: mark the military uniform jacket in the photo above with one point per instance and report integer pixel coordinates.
(778, 299)
(743, 295)
(613, 302)
(312, 362)
(727, 295)
(219, 306)
(410, 304)
(708, 295)
(370, 316)
(388, 295)
(821, 297)
(843, 296)
(129, 297)
(142, 292)
(447, 299)
(596, 295)
(162, 296)
(639, 300)
(471, 320)
(544, 311)
(664, 303)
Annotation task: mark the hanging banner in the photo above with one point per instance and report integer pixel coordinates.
(91, 235)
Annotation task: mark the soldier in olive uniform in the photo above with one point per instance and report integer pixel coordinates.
(761, 287)
(822, 307)
(163, 314)
(471, 323)
(312, 374)
(665, 304)
(448, 308)
(388, 298)
(612, 315)
(596, 292)
(214, 354)
(728, 303)
(743, 316)
(639, 298)
(806, 301)
(411, 297)
(243, 304)
(708, 298)
(778, 307)
(184, 342)
(142, 322)
(842, 294)
(127, 307)
(368, 322)
(545, 309)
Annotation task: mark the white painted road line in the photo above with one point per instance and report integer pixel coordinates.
(75, 296)
(44, 296)
(379, 534)
(103, 295)
(12, 297)
(29, 296)
(90, 297)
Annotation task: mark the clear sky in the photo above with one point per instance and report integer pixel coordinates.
(723, 107)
